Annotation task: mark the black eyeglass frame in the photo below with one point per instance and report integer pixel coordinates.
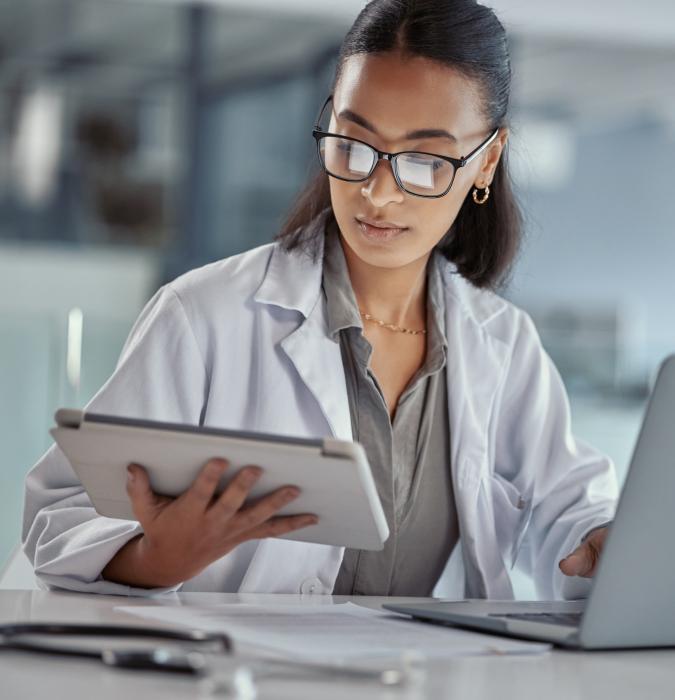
(457, 163)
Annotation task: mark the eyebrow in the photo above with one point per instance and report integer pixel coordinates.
(410, 136)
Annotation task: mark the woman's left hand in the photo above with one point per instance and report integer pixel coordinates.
(584, 559)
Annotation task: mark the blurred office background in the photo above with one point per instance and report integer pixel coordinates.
(139, 139)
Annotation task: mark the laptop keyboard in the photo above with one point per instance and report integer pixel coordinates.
(567, 619)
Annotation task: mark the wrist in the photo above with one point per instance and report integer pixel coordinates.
(154, 567)
(138, 564)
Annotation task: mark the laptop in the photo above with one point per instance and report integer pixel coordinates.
(632, 599)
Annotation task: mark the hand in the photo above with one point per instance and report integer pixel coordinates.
(182, 536)
(584, 559)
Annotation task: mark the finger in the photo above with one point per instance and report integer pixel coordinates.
(256, 514)
(233, 497)
(144, 501)
(582, 561)
(280, 525)
(203, 488)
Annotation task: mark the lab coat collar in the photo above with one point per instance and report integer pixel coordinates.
(293, 277)
(293, 281)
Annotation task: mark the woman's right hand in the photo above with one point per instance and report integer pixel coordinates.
(182, 536)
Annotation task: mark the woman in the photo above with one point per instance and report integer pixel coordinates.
(372, 317)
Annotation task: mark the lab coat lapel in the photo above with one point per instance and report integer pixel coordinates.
(476, 362)
(293, 281)
(318, 361)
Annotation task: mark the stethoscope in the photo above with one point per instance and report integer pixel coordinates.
(17, 637)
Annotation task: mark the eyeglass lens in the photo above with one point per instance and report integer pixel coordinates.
(419, 173)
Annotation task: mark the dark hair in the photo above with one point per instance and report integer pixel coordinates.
(484, 240)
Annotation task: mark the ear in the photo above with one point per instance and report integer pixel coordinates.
(490, 159)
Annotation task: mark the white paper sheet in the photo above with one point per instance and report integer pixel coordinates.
(331, 633)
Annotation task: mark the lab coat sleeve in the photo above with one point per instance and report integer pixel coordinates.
(160, 375)
(568, 486)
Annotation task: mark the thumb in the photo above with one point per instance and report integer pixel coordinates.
(144, 501)
(580, 563)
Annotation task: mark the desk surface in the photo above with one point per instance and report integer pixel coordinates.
(558, 674)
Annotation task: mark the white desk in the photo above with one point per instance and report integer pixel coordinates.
(634, 675)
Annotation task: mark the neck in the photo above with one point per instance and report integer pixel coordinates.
(394, 295)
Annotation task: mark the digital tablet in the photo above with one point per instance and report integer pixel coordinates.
(333, 475)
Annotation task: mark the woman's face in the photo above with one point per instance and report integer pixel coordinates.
(379, 99)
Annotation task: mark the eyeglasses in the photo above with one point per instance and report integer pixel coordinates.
(417, 173)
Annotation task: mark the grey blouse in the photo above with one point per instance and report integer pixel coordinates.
(410, 459)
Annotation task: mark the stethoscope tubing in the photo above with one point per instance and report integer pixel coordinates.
(11, 634)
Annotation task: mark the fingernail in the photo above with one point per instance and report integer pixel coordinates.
(217, 467)
(292, 492)
(250, 478)
(312, 520)
(130, 474)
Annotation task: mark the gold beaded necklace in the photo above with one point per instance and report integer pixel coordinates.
(391, 326)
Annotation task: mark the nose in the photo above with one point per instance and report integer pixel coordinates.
(381, 187)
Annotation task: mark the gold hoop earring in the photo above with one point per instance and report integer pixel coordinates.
(484, 198)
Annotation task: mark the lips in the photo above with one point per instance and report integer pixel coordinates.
(380, 223)
(380, 230)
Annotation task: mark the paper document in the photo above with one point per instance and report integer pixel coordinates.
(342, 631)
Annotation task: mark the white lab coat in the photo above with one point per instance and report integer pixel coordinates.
(242, 343)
